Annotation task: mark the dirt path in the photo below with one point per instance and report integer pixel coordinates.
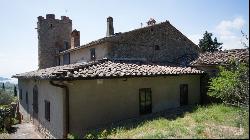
(25, 131)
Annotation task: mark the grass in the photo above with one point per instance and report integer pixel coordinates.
(213, 121)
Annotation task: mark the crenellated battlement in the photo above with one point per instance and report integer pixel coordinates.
(51, 17)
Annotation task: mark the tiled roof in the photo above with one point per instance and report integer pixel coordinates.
(105, 69)
(222, 57)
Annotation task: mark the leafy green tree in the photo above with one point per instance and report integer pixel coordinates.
(207, 44)
(232, 84)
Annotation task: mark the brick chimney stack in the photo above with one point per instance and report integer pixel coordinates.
(110, 27)
(75, 39)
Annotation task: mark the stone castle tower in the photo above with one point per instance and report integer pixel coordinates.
(54, 35)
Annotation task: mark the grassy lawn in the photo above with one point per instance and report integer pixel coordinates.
(213, 121)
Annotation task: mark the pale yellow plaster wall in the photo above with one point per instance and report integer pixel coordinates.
(84, 54)
(97, 102)
(54, 127)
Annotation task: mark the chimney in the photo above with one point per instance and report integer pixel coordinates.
(75, 38)
(110, 28)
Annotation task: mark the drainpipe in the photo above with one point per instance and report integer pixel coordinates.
(67, 106)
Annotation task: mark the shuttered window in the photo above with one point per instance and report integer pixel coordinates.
(47, 110)
(20, 94)
(26, 98)
(145, 101)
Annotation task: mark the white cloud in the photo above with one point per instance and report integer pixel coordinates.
(226, 27)
(228, 32)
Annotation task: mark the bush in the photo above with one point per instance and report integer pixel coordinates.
(6, 99)
(7, 111)
(232, 84)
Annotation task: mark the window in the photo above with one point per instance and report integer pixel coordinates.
(92, 54)
(35, 99)
(66, 58)
(51, 26)
(65, 45)
(20, 94)
(157, 47)
(47, 110)
(26, 98)
(145, 101)
(183, 94)
(58, 61)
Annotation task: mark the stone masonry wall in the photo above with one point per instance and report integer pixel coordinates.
(161, 43)
(51, 36)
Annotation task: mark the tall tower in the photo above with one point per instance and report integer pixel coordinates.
(53, 36)
(110, 27)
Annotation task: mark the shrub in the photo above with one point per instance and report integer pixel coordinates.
(232, 84)
(7, 111)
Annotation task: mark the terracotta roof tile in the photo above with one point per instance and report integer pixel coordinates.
(222, 57)
(104, 69)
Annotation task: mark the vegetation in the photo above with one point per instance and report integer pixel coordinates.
(8, 105)
(232, 84)
(212, 121)
(207, 44)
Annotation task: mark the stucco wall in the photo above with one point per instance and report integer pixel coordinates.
(84, 54)
(54, 127)
(97, 102)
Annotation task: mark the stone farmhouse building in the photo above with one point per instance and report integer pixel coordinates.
(120, 76)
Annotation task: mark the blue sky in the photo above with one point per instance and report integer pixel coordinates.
(18, 43)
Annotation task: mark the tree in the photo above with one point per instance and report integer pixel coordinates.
(15, 91)
(232, 84)
(3, 87)
(207, 44)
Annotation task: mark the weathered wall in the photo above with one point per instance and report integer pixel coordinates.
(141, 43)
(51, 36)
(54, 127)
(84, 54)
(92, 104)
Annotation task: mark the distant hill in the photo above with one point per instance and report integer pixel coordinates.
(4, 79)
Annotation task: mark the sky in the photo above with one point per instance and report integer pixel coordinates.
(19, 43)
